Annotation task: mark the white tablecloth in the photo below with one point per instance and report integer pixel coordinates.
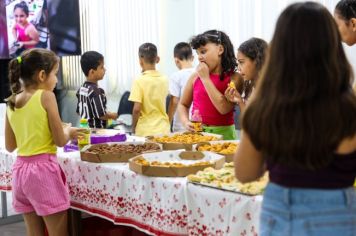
(6, 161)
(218, 212)
(161, 206)
(112, 191)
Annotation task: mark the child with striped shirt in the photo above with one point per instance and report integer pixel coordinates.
(91, 99)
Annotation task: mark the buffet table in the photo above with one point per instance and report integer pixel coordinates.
(112, 191)
(155, 205)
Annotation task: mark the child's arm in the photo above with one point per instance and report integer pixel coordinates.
(248, 161)
(109, 115)
(59, 135)
(14, 33)
(10, 140)
(174, 89)
(185, 102)
(136, 112)
(218, 99)
(172, 107)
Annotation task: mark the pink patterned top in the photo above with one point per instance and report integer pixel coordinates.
(22, 36)
(201, 101)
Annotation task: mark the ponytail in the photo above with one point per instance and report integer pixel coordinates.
(26, 67)
(14, 78)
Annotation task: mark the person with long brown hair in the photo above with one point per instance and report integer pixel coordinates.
(300, 125)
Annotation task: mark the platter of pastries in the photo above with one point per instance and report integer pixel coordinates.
(176, 163)
(223, 147)
(116, 152)
(224, 178)
(189, 138)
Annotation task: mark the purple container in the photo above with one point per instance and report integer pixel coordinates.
(96, 139)
(72, 146)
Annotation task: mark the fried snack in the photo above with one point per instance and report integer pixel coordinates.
(221, 148)
(184, 138)
(121, 148)
(142, 161)
(229, 164)
(225, 179)
(232, 85)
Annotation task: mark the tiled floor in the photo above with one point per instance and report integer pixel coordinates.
(101, 226)
(10, 211)
(16, 229)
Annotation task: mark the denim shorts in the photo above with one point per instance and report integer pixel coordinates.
(297, 211)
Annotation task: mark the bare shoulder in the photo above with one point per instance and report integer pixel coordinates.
(31, 27)
(193, 77)
(48, 98)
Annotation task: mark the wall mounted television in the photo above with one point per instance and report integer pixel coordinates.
(51, 24)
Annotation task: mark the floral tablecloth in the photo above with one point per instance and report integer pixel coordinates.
(217, 212)
(6, 161)
(160, 206)
(111, 190)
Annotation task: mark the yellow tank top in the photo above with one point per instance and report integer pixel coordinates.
(31, 127)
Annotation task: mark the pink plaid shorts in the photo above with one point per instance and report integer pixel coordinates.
(39, 184)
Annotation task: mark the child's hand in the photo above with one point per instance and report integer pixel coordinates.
(75, 133)
(113, 115)
(189, 126)
(203, 70)
(232, 95)
(72, 132)
(64, 125)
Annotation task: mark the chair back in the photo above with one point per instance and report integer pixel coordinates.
(125, 106)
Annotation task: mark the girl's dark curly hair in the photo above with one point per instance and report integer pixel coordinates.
(255, 49)
(228, 58)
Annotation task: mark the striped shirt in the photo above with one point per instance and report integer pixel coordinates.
(91, 104)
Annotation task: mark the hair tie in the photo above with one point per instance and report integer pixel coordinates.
(219, 36)
(19, 59)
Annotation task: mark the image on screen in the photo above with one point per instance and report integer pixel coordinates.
(51, 24)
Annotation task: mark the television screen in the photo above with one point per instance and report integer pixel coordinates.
(51, 24)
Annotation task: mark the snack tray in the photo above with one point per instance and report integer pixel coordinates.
(222, 188)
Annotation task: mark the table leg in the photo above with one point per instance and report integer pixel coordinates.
(5, 219)
(74, 222)
(3, 205)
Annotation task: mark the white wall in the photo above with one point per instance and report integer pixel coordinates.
(240, 19)
(165, 23)
(177, 25)
(243, 19)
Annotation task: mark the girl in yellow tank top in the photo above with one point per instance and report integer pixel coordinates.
(33, 127)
